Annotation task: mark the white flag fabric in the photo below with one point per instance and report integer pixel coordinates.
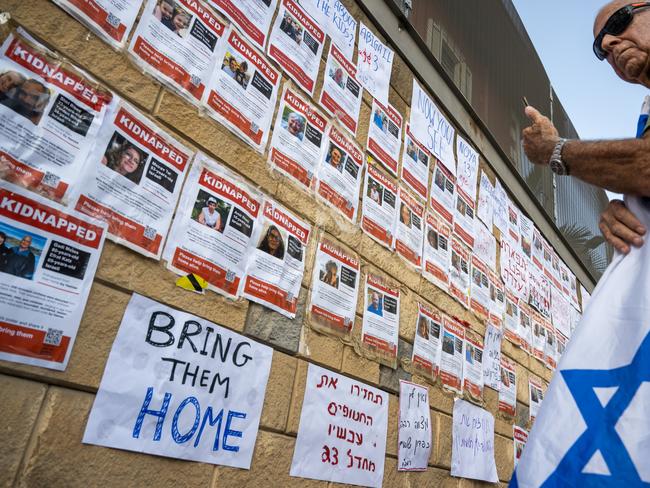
(593, 428)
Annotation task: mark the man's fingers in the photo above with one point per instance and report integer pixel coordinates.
(613, 240)
(626, 217)
(533, 114)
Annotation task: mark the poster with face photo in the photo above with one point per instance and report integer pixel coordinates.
(537, 254)
(514, 231)
(451, 357)
(252, 17)
(379, 208)
(385, 135)
(415, 165)
(442, 192)
(298, 139)
(133, 180)
(459, 272)
(526, 231)
(296, 44)
(526, 327)
(275, 267)
(535, 396)
(539, 336)
(341, 93)
(50, 115)
(511, 318)
(427, 343)
(339, 174)
(381, 318)
(409, 231)
(335, 288)
(436, 252)
(479, 288)
(176, 43)
(339, 24)
(473, 366)
(550, 346)
(213, 231)
(508, 389)
(242, 90)
(464, 217)
(497, 307)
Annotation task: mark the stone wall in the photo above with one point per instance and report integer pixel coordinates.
(44, 412)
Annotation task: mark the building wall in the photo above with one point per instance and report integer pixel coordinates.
(44, 412)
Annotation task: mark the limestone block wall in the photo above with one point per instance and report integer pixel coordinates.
(44, 412)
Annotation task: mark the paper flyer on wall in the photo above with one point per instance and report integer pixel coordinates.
(242, 90)
(409, 230)
(414, 433)
(442, 192)
(485, 246)
(459, 272)
(379, 207)
(451, 357)
(500, 208)
(339, 24)
(573, 291)
(339, 174)
(381, 318)
(560, 312)
(374, 64)
(133, 179)
(513, 222)
(539, 336)
(479, 288)
(341, 93)
(585, 296)
(514, 268)
(431, 128)
(548, 259)
(342, 430)
(473, 366)
(415, 165)
(464, 218)
(525, 329)
(252, 17)
(535, 396)
(520, 437)
(526, 232)
(492, 357)
(335, 288)
(298, 139)
(111, 20)
(561, 343)
(436, 253)
(511, 319)
(176, 43)
(539, 291)
(48, 258)
(550, 346)
(275, 267)
(427, 343)
(485, 204)
(467, 168)
(296, 44)
(50, 114)
(537, 254)
(555, 270)
(151, 401)
(497, 308)
(508, 388)
(213, 231)
(385, 135)
(565, 279)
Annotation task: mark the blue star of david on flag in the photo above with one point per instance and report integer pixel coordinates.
(601, 440)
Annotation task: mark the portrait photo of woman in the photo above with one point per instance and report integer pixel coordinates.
(124, 158)
(272, 243)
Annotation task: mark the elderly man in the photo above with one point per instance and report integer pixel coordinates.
(21, 260)
(622, 37)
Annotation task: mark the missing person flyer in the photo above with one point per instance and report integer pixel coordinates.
(385, 135)
(212, 233)
(415, 165)
(111, 20)
(341, 93)
(539, 336)
(380, 329)
(379, 208)
(473, 365)
(48, 258)
(242, 90)
(298, 139)
(512, 319)
(508, 388)
(176, 43)
(459, 271)
(409, 231)
(451, 358)
(275, 267)
(479, 288)
(252, 17)
(526, 327)
(436, 252)
(335, 288)
(464, 217)
(550, 346)
(526, 230)
(50, 115)
(296, 44)
(497, 299)
(339, 174)
(133, 179)
(535, 396)
(443, 190)
(427, 344)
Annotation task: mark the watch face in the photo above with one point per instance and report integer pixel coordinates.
(557, 167)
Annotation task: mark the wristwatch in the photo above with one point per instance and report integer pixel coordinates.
(558, 166)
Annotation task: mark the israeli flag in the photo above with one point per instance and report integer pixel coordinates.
(594, 426)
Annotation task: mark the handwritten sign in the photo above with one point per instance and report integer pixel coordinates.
(492, 357)
(432, 128)
(374, 64)
(342, 432)
(485, 207)
(179, 386)
(514, 268)
(414, 439)
(472, 453)
(467, 171)
(337, 21)
(500, 208)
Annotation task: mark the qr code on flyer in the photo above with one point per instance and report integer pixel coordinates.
(53, 337)
(112, 20)
(51, 180)
(149, 233)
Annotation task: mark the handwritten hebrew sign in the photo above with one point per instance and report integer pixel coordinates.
(342, 432)
(414, 440)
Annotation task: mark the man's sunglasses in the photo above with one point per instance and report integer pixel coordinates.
(616, 25)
